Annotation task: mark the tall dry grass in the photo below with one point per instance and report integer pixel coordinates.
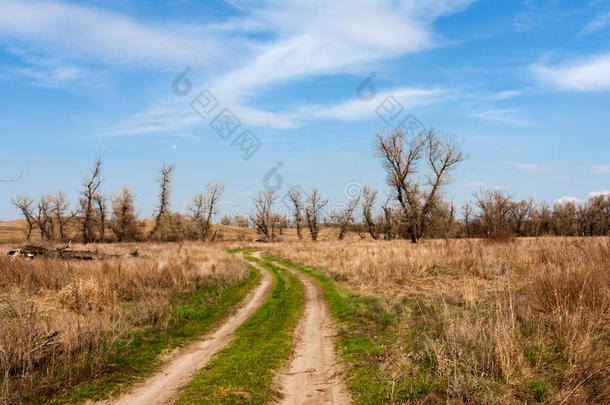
(491, 322)
(58, 319)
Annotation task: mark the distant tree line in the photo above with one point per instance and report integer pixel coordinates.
(102, 218)
(418, 170)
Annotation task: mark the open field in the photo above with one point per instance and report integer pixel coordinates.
(481, 322)
(64, 322)
(458, 321)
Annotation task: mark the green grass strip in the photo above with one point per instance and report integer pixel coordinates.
(242, 372)
(364, 334)
(192, 316)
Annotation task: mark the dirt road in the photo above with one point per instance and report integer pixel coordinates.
(162, 387)
(313, 376)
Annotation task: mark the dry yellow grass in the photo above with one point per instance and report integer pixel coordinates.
(58, 318)
(490, 322)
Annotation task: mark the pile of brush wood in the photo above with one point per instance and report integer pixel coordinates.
(63, 252)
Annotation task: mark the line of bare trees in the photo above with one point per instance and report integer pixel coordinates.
(99, 218)
(418, 170)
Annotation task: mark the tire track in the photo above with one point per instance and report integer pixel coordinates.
(313, 375)
(163, 385)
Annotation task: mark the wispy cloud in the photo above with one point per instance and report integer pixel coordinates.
(506, 116)
(76, 32)
(588, 74)
(505, 95)
(601, 169)
(600, 21)
(529, 167)
(357, 110)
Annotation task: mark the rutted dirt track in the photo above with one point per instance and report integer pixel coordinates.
(162, 387)
(313, 376)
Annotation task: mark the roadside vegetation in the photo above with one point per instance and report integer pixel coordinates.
(243, 372)
(470, 320)
(71, 331)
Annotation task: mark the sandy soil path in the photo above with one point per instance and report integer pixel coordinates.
(313, 375)
(162, 387)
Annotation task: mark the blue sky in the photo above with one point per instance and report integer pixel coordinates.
(524, 84)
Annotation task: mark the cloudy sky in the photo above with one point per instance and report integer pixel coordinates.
(284, 93)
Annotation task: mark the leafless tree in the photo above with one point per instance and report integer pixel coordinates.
(241, 221)
(91, 186)
(101, 209)
(467, 214)
(124, 221)
(59, 208)
(315, 203)
(26, 206)
(226, 220)
(44, 218)
(162, 211)
(297, 210)
(263, 216)
(204, 206)
(520, 212)
(417, 196)
(345, 217)
(495, 206)
(369, 196)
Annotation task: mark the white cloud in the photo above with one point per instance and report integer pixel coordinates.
(312, 38)
(588, 74)
(76, 32)
(357, 110)
(504, 95)
(598, 193)
(506, 116)
(567, 199)
(601, 169)
(529, 167)
(600, 21)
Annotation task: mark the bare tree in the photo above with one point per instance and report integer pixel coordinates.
(297, 210)
(520, 212)
(467, 214)
(369, 196)
(91, 186)
(165, 178)
(345, 217)
(417, 197)
(124, 221)
(26, 206)
(204, 206)
(263, 216)
(44, 218)
(315, 203)
(59, 208)
(495, 206)
(101, 209)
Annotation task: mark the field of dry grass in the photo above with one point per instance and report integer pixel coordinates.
(59, 319)
(482, 322)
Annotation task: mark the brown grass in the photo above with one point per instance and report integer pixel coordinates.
(490, 322)
(58, 318)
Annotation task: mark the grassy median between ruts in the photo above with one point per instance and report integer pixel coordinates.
(242, 373)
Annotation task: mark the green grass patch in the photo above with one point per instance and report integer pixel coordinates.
(242, 250)
(138, 355)
(242, 372)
